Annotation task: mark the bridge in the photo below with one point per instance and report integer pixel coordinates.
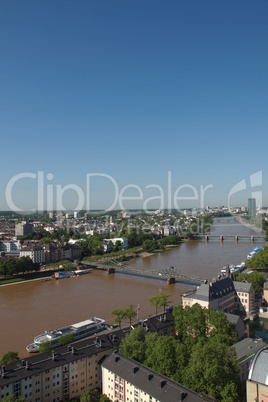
(251, 238)
(170, 274)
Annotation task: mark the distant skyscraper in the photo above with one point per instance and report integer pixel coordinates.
(251, 208)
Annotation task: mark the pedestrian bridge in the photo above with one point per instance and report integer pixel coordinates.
(170, 274)
(208, 237)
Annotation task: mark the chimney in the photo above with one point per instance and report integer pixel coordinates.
(183, 395)
(26, 365)
(53, 355)
(162, 383)
(72, 350)
(135, 369)
(116, 359)
(3, 371)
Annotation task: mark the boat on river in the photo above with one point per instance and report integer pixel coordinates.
(79, 330)
(254, 252)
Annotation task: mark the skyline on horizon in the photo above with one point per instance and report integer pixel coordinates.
(156, 103)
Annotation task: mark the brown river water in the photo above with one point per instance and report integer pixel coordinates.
(28, 309)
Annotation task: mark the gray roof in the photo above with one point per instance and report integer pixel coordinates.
(248, 347)
(242, 286)
(214, 290)
(62, 355)
(259, 368)
(149, 381)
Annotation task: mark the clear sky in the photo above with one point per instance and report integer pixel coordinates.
(164, 93)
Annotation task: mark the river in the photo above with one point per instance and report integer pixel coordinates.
(28, 309)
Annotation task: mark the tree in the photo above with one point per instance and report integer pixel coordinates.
(44, 347)
(119, 314)
(130, 313)
(93, 395)
(12, 398)
(9, 357)
(164, 300)
(256, 278)
(67, 338)
(156, 302)
(212, 368)
(135, 344)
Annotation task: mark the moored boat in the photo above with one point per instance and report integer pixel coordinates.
(79, 330)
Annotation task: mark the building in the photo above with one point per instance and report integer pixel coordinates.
(245, 350)
(251, 208)
(238, 323)
(36, 253)
(257, 383)
(23, 228)
(219, 295)
(224, 295)
(245, 301)
(59, 374)
(265, 293)
(109, 243)
(9, 246)
(124, 379)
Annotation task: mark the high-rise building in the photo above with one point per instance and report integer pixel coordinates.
(251, 208)
(23, 228)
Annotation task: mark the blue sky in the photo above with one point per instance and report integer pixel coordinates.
(133, 90)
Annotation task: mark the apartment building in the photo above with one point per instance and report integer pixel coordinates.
(36, 253)
(59, 374)
(245, 351)
(125, 380)
(23, 228)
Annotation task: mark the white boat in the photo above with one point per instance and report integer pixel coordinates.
(78, 330)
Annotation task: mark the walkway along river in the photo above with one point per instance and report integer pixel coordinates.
(28, 309)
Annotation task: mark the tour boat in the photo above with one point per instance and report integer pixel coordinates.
(78, 330)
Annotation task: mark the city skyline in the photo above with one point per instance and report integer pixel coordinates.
(155, 102)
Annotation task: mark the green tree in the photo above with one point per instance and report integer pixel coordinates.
(9, 357)
(67, 338)
(256, 278)
(161, 355)
(119, 314)
(44, 347)
(12, 398)
(213, 367)
(130, 313)
(135, 344)
(91, 395)
(164, 300)
(156, 302)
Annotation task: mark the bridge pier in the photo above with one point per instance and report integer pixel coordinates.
(207, 238)
(171, 281)
(236, 239)
(111, 270)
(252, 239)
(221, 238)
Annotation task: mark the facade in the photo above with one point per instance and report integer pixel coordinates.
(245, 301)
(245, 351)
(9, 246)
(265, 293)
(23, 229)
(239, 324)
(36, 253)
(61, 374)
(257, 383)
(124, 379)
(251, 208)
(109, 243)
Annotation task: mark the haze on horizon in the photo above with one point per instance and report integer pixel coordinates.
(146, 98)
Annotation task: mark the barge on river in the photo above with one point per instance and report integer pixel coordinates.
(78, 331)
